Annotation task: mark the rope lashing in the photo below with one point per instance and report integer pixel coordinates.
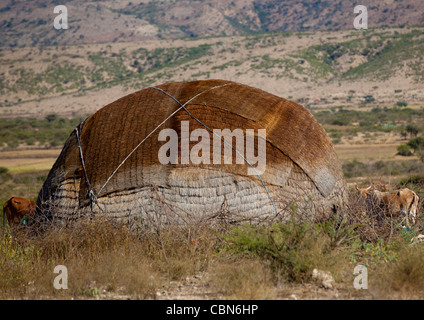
(91, 195)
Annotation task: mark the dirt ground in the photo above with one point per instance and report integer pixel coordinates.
(198, 287)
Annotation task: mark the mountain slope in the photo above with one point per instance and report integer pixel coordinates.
(378, 67)
(30, 23)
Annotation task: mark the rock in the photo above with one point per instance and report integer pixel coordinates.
(324, 277)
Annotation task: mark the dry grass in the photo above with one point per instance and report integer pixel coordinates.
(244, 279)
(404, 277)
(102, 258)
(108, 260)
(368, 151)
(21, 161)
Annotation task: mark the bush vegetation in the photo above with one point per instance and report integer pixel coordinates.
(51, 131)
(374, 120)
(354, 168)
(404, 150)
(414, 146)
(106, 259)
(347, 123)
(54, 130)
(143, 66)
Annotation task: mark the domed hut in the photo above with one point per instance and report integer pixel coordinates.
(183, 152)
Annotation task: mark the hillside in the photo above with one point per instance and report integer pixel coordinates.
(377, 67)
(307, 51)
(30, 23)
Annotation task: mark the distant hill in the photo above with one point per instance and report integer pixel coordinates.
(30, 23)
(320, 69)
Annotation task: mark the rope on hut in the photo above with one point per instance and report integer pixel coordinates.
(91, 195)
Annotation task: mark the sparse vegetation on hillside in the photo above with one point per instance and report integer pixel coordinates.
(105, 69)
(349, 123)
(386, 55)
(60, 70)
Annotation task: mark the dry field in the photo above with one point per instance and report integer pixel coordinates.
(18, 161)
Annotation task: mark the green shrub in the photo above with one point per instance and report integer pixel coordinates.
(413, 130)
(52, 130)
(51, 117)
(416, 143)
(416, 179)
(404, 150)
(353, 168)
(356, 168)
(4, 175)
(293, 249)
(369, 99)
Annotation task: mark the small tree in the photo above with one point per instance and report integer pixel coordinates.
(404, 150)
(417, 144)
(51, 117)
(404, 134)
(413, 130)
(369, 99)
